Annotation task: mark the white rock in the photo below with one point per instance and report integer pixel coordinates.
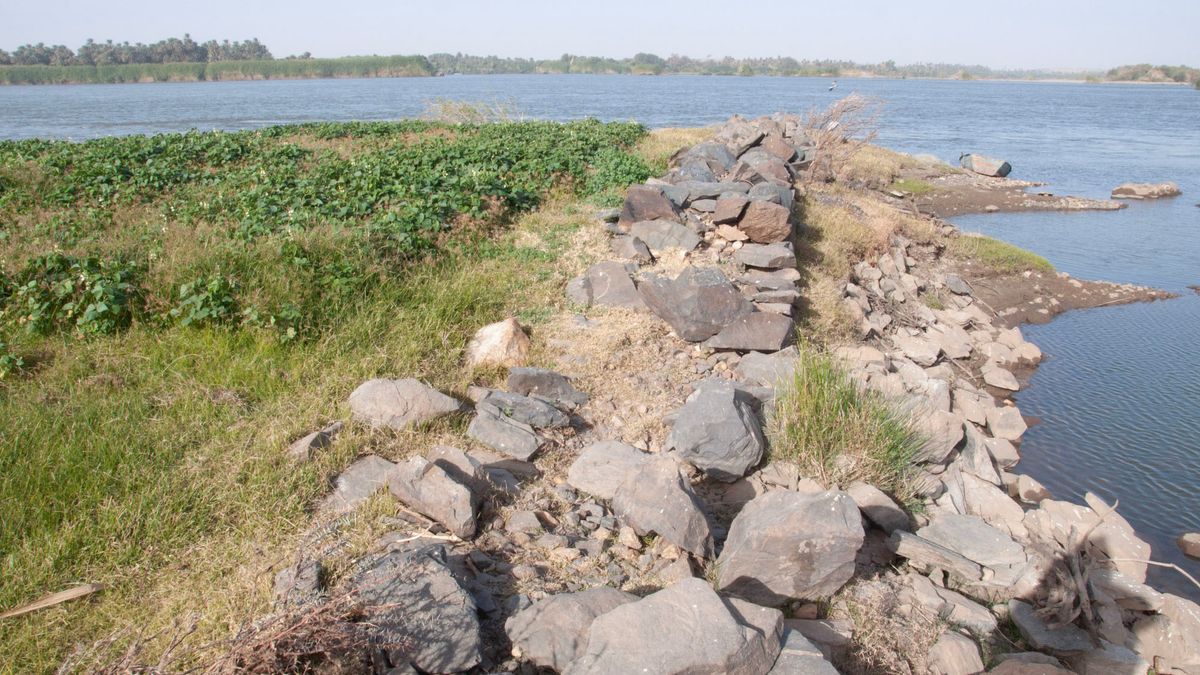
(503, 343)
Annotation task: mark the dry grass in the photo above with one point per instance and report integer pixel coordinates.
(875, 167)
(890, 638)
(656, 149)
(839, 133)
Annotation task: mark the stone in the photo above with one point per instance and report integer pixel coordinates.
(715, 155)
(366, 476)
(731, 233)
(985, 166)
(631, 248)
(661, 235)
(1026, 663)
(799, 656)
(766, 222)
(531, 411)
(503, 343)
(1189, 544)
(414, 606)
(832, 636)
(428, 489)
(768, 256)
(972, 405)
(768, 370)
(1003, 452)
(1114, 537)
(956, 285)
(773, 192)
(1068, 639)
(303, 448)
(299, 584)
(1170, 638)
(952, 606)
(942, 432)
(545, 384)
(708, 635)
(1030, 491)
(1110, 659)
(758, 331)
(878, 507)
(657, 498)
(1006, 423)
(524, 521)
(975, 540)
(463, 468)
(646, 202)
(554, 632)
(579, 291)
(704, 205)
(954, 654)
(785, 545)
(697, 304)
(502, 433)
(610, 285)
(999, 377)
(1126, 592)
(718, 432)
(778, 147)
(1145, 191)
(920, 351)
(993, 505)
(601, 467)
(398, 404)
(730, 207)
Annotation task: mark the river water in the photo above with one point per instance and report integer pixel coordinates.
(1119, 392)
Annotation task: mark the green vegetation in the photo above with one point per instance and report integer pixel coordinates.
(1144, 72)
(997, 255)
(211, 297)
(352, 66)
(912, 186)
(838, 432)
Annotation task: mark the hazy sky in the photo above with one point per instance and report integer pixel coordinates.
(1006, 34)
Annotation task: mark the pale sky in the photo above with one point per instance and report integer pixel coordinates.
(1068, 34)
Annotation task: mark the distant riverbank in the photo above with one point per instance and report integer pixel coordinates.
(275, 69)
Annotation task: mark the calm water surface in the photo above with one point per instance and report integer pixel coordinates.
(1119, 391)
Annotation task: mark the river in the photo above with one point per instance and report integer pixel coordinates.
(1118, 395)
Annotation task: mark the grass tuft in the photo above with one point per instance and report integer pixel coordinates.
(998, 255)
(838, 432)
(912, 186)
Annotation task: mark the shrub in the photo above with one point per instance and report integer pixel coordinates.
(207, 300)
(615, 168)
(838, 432)
(9, 362)
(55, 291)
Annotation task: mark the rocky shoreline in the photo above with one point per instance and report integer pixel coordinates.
(630, 515)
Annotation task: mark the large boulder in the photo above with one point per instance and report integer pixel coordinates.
(758, 331)
(601, 467)
(718, 432)
(415, 607)
(554, 632)
(657, 498)
(429, 489)
(766, 223)
(399, 403)
(786, 545)
(684, 628)
(985, 166)
(503, 343)
(1145, 190)
(697, 304)
(646, 202)
(545, 384)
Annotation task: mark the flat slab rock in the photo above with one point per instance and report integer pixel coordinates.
(657, 498)
(718, 432)
(660, 235)
(758, 331)
(502, 433)
(609, 284)
(416, 607)
(697, 304)
(786, 545)
(532, 411)
(429, 489)
(545, 384)
(646, 202)
(554, 632)
(601, 467)
(366, 476)
(399, 404)
(767, 256)
(685, 628)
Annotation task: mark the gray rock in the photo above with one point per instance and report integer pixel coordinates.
(602, 467)
(878, 507)
(502, 433)
(415, 607)
(832, 636)
(999, 377)
(707, 635)
(608, 215)
(957, 285)
(1110, 659)
(631, 248)
(786, 545)
(545, 384)
(303, 448)
(1126, 592)
(758, 331)
(716, 155)
(646, 202)
(952, 606)
(299, 584)
(1006, 423)
(697, 304)
(718, 432)
(399, 403)
(920, 351)
(955, 654)
(463, 468)
(767, 281)
(661, 235)
(428, 489)
(730, 207)
(534, 412)
(799, 656)
(766, 222)
(695, 170)
(704, 205)
(366, 476)
(579, 291)
(768, 370)
(1189, 544)
(554, 632)
(610, 285)
(523, 521)
(974, 539)
(769, 256)
(678, 194)
(657, 498)
(985, 166)
(698, 190)
(1172, 636)
(1069, 639)
(775, 193)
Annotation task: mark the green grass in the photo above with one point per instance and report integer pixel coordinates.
(146, 454)
(838, 432)
(997, 255)
(912, 186)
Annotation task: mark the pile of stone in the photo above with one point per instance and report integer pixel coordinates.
(547, 544)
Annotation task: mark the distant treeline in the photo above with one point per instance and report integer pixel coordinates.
(185, 60)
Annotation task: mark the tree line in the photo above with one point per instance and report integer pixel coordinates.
(170, 50)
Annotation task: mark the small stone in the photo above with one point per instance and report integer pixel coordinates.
(956, 285)
(1190, 544)
(302, 449)
(503, 344)
(1000, 378)
(399, 404)
(502, 433)
(545, 384)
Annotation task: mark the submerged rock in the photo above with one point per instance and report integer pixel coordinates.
(1146, 191)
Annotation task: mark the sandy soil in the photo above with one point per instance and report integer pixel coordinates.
(959, 192)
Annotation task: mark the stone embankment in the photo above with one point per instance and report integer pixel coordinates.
(626, 518)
